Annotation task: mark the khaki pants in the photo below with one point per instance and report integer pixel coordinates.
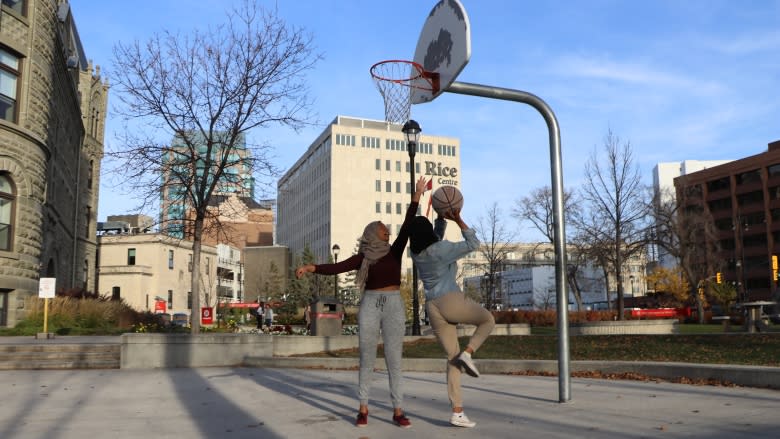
(445, 313)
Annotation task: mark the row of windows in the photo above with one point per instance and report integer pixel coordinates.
(9, 69)
(389, 208)
(9, 75)
(389, 186)
(393, 144)
(369, 142)
(378, 166)
(345, 139)
(447, 150)
(131, 259)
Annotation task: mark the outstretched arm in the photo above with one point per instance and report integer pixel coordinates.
(303, 269)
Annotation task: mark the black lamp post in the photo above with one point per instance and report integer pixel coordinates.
(336, 249)
(412, 131)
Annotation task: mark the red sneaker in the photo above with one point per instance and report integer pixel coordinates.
(402, 421)
(362, 419)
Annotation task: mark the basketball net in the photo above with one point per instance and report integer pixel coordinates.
(395, 80)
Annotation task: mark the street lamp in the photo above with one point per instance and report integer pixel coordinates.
(412, 131)
(336, 250)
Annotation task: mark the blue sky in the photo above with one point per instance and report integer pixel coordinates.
(693, 79)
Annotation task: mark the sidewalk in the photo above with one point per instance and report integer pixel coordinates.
(304, 403)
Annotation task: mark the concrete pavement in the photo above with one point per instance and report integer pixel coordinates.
(264, 402)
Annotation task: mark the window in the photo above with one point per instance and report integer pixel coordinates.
(398, 166)
(88, 222)
(398, 208)
(170, 299)
(116, 294)
(388, 186)
(15, 5)
(7, 198)
(90, 173)
(378, 207)
(398, 187)
(131, 256)
(9, 73)
(387, 165)
(378, 164)
(170, 259)
(189, 263)
(388, 208)
(378, 185)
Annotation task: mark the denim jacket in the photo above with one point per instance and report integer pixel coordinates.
(437, 265)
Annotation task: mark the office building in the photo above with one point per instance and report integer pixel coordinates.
(743, 199)
(663, 186)
(192, 155)
(355, 172)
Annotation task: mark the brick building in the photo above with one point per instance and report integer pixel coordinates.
(743, 199)
(52, 114)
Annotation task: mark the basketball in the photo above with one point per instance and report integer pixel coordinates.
(446, 198)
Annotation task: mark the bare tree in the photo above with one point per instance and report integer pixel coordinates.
(617, 207)
(497, 243)
(207, 90)
(684, 228)
(537, 209)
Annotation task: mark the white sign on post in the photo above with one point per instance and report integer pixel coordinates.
(46, 286)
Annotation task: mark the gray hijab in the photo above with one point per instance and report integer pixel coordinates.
(373, 249)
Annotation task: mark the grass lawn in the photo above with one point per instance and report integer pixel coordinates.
(694, 344)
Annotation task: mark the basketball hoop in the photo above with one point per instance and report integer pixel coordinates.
(395, 80)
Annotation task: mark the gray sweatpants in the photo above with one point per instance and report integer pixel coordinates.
(381, 310)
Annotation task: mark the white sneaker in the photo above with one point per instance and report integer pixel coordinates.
(464, 360)
(461, 420)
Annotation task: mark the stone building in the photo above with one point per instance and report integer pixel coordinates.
(52, 114)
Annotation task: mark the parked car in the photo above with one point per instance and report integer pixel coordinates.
(180, 319)
(165, 318)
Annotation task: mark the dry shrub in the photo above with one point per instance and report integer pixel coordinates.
(67, 311)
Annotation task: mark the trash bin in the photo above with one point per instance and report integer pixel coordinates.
(326, 316)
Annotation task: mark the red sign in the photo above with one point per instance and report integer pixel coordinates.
(160, 306)
(206, 315)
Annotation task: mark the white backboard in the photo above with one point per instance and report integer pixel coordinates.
(444, 47)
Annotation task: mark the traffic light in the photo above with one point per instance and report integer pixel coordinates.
(717, 277)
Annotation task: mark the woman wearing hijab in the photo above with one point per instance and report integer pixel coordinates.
(381, 306)
(446, 304)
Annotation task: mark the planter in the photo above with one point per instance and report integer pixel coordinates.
(661, 326)
(499, 329)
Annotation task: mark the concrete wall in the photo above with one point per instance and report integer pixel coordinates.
(148, 351)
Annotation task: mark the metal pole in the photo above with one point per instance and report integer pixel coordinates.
(559, 240)
(412, 147)
(336, 278)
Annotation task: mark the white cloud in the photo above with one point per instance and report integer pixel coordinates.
(631, 72)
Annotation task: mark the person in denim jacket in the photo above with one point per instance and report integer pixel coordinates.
(446, 304)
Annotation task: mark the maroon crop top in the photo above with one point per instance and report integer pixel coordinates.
(386, 270)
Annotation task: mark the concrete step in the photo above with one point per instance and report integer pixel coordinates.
(59, 356)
